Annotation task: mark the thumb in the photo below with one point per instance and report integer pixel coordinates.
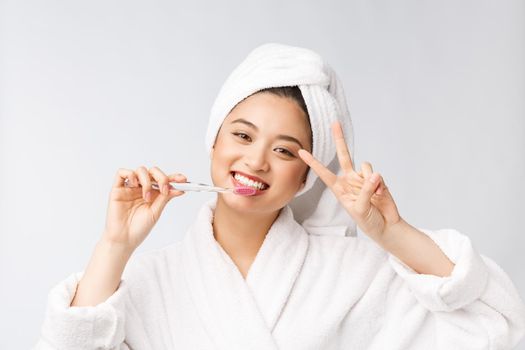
(369, 187)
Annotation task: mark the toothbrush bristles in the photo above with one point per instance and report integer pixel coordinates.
(245, 191)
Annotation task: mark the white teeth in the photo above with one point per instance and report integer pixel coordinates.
(249, 182)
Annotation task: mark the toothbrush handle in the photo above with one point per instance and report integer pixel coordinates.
(190, 186)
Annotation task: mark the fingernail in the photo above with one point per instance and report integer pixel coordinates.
(374, 178)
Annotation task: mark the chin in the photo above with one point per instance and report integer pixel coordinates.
(242, 204)
(251, 204)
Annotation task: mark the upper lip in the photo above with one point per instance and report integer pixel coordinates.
(251, 177)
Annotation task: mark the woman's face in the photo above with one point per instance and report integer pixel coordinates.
(260, 138)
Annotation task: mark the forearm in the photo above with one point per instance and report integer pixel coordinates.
(416, 249)
(102, 275)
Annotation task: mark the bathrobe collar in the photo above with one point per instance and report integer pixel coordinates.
(239, 313)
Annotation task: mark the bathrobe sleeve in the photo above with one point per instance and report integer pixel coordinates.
(86, 327)
(478, 292)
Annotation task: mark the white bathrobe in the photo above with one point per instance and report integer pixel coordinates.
(302, 292)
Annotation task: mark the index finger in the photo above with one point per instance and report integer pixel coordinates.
(324, 173)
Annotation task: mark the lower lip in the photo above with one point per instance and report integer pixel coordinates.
(238, 184)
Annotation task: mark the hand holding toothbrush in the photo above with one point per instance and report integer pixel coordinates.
(135, 206)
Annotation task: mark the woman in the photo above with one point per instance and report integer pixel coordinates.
(282, 269)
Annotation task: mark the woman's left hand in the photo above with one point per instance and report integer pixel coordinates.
(364, 195)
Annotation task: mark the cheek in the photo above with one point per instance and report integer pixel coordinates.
(224, 149)
(292, 176)
(224, 154)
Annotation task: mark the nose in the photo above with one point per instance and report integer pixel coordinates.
(255, 159)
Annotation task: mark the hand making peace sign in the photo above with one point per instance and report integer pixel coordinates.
(364, 195)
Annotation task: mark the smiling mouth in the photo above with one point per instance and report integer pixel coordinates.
(244, 181)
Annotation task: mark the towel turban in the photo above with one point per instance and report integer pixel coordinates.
(276, 65)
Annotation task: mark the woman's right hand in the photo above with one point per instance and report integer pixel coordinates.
(135, 207)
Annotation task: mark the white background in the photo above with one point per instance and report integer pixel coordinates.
(436, 91)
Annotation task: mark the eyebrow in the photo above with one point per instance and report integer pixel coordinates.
(280, 137)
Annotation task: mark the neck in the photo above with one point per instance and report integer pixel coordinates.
(240, 234)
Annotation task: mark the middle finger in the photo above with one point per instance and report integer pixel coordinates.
(161, 179)
(145, 181)
(345, 160)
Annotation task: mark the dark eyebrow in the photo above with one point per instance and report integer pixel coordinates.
(289, 138)
(280, 137)
(244, 121)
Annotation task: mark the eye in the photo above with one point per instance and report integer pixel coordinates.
(242, 135)
(285, 151)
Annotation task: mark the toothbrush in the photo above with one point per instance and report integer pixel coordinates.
(198, 187)
(192, 186)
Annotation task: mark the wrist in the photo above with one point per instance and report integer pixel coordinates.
(394, 233)
(115, 248)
